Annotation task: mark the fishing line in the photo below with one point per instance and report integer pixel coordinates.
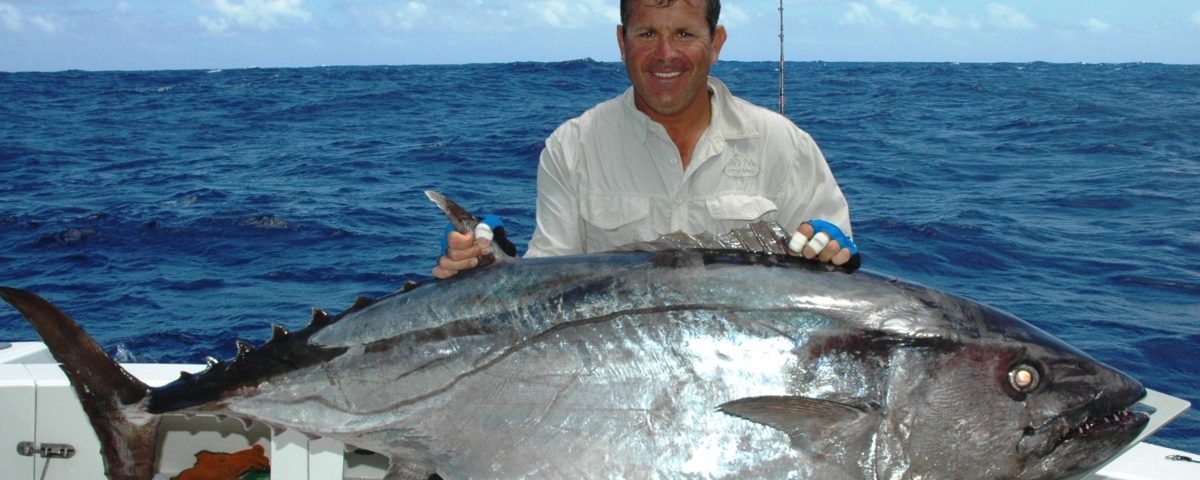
(782, 100)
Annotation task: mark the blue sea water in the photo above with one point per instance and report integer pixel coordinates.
(173, 212)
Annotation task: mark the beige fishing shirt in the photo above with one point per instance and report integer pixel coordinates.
(612, 176)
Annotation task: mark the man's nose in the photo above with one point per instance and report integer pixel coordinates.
(666, 47)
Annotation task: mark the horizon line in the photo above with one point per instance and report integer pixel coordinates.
(591, 60)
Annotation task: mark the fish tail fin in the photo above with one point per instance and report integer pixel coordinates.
(111, 397)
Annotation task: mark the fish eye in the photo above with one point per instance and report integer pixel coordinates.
(1024, 378)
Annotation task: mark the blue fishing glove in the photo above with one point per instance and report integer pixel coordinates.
(832, 232)
(499, 236)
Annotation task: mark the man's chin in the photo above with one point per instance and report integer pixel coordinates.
(661, 105)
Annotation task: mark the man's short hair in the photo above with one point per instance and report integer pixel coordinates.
(711, 15)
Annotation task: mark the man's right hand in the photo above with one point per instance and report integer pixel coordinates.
(462, 253)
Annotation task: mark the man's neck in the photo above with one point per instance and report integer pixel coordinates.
(686, 127)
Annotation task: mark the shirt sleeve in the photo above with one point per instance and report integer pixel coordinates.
(558, 230)
(810, 191)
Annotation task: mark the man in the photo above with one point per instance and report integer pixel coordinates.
(675, 152)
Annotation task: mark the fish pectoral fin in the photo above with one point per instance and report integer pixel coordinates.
(807, 421)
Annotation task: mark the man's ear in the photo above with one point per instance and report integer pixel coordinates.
(621, 40)
(718, 41)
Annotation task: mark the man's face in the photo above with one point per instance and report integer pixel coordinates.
(668, 52)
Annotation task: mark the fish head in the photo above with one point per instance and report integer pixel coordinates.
(1003, 399)
(1078, 412)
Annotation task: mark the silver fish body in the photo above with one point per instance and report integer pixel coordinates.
(707, 356)
(697, 364)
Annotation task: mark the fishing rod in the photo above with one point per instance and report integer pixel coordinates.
(782, 100)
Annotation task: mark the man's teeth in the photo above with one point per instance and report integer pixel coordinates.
(667, 75)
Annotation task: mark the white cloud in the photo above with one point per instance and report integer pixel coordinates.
(10, 17)
(1096, 25)
(556, 13)
(123, 6)
(944, 19)
(574, 14)
(254, 14)
(912, 15)
(45, 24)
(14, 20)
(731, 15)
(433, 15)
(478, 16)
(406, 17)
(906, 10)
(1196, 17)
(1005, 16)
(859, 14)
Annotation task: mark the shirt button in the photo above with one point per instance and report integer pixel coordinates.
(678, 202)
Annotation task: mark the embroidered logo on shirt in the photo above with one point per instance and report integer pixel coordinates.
(741, 167)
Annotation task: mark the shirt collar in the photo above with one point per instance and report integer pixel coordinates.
(727, 120)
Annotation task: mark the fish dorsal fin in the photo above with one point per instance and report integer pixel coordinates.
(758, 237)
(320, 318)
(826, 429)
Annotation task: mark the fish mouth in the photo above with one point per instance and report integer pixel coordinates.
(1090, 431)
(1112, 417)
(1105, 425)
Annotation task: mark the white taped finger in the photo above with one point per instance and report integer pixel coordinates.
(818, 242)
(483, 232)
(797, 243)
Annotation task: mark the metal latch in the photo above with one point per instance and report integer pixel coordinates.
(46, 450)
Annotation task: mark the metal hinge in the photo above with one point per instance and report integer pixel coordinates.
(46, 450)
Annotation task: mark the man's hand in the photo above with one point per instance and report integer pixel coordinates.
(830, 251)
(462, 253)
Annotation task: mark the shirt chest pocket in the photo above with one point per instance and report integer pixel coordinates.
(743, 208)
(612, 221)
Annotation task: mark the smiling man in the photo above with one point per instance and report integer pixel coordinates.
(667, 50)
(676, 152)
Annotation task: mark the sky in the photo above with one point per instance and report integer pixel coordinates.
(53, 35)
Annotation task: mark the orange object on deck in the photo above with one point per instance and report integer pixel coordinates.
(226, 466)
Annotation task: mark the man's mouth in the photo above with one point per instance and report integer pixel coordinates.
(667, 75)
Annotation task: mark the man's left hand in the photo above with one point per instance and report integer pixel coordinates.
(825, 249)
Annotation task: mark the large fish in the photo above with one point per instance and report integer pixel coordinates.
(676, 361)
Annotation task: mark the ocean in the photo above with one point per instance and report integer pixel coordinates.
(174, 212)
